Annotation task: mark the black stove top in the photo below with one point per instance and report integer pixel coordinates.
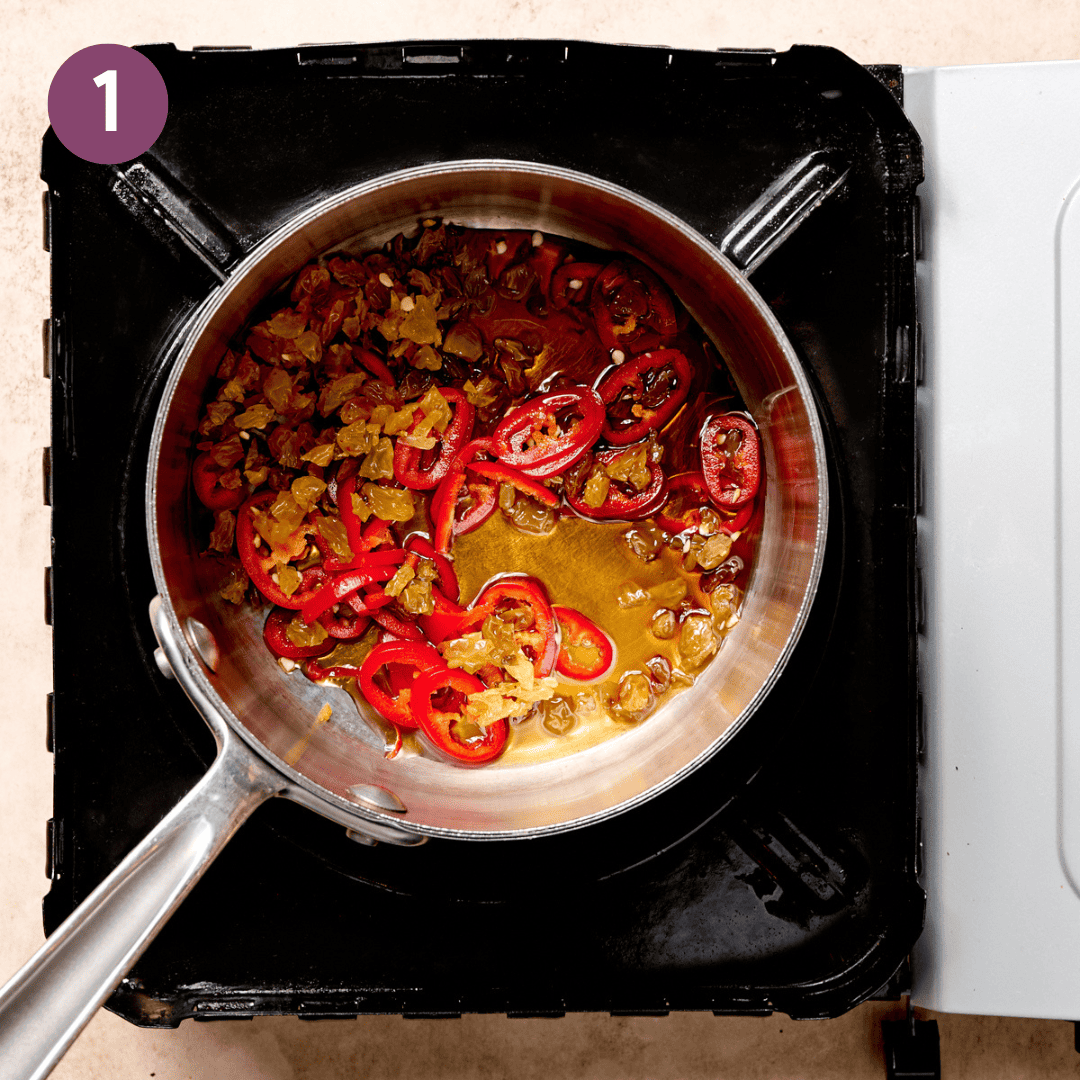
(782, 875)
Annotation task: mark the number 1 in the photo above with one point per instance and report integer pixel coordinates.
(108, 80)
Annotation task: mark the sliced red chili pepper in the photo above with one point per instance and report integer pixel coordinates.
(448, 582)
(445, 621)
(731, 459)
(346, 625)
(551, 432)
(389, 620)
(453, 484)
(631, 307)
(443, 507)
(354, 527)
(316, 672)
(377, 535)
(622, 502)
(586, 651)
(276, 636)
(376, 366)
(644, 394)
(572, 283)
(737, 522)
(447, 501)
(484, 499)
(537, 636)
(259, 567)
(473, 447)
(346, 468)
(686, 495)
(514, 244)
(503, 474)
(410, 465)
(440, 712)
(345, 583)
(417, 655)
(205, 474)
(368, 600)
(363, 538)
(543, 259)
(368, 560)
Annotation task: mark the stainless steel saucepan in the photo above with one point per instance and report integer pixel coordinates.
(265, 723)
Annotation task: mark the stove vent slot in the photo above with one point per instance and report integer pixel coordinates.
(903, 352)
(48, 346)
(46, 223)
(46, 475)
(421, 55)
(739, 56)
(54, 852)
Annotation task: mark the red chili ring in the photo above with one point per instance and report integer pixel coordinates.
(438, 726)
(417, 654)
(407, 459)
(732, 478)
(559, 449)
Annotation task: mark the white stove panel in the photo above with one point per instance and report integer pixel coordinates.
(999, 538)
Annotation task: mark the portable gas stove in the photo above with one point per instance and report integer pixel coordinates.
(781, 875)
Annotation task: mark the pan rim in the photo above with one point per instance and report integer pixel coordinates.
(309, 792)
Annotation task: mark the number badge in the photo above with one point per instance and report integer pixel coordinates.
(108, 103)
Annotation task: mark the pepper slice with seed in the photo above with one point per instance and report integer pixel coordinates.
(550, 433)
(416, 656)
(644, 394)
(586, 651)
(524, 601)
(731, 460)
(620, 501)
(631, 307)
(423, 470)
(439, 708)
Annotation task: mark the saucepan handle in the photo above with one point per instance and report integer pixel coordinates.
(49, 1001)
(784, 205)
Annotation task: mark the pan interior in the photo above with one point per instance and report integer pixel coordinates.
(277, 713)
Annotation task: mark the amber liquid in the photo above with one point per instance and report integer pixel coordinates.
(584, 565)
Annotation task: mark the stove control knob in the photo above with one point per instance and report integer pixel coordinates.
(163, 663)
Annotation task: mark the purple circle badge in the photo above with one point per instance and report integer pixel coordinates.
(108, 103)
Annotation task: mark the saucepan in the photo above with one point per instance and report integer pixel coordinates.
(266, 723)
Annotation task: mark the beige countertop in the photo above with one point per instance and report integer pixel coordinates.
(37, 39)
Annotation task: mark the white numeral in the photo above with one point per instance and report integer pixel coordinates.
(108, 80)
